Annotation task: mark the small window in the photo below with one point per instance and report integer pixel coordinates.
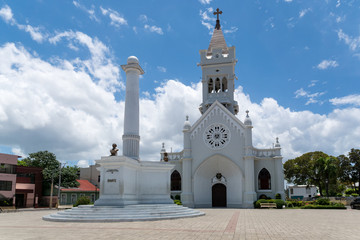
(210, 85)
(5, 185)
(291, 191)
(73, 198)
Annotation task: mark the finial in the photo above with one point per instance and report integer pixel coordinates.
(217, 26)
(187, 117)
(277, 140)
(163, 145)
(247, 113)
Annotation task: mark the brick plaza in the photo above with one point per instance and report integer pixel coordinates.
(216, 224)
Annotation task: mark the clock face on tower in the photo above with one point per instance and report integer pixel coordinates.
(216, 136)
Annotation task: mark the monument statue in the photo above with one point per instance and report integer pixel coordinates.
(114, 150)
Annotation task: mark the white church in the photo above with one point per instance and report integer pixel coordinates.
(218, 166)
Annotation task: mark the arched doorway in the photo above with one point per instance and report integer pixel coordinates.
(219, 195)
(175, 181)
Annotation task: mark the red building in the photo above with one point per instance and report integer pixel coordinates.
(28, 186)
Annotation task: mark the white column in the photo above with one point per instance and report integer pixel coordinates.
(249, 194)
(131, 138)
(279, 174)
(187, 197)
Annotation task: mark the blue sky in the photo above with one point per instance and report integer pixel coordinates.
(63, 90)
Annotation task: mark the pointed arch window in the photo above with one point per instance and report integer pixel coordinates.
(210, 85)
(224, 86)
(217, 85)
(264, 179)
(175, 181)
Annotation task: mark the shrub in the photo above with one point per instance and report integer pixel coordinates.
(322, 201)
(171, 197)
(278, 196)
(354, 195)
(350, 191)
(177, 197)
(334, 206)
(6, 202)
(83, 200)
(339, 194)
(178, 202)
(279, 203)
(295, 203)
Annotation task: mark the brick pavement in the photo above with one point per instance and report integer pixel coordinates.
(216, 224)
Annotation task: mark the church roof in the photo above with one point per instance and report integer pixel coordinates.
(217, 41)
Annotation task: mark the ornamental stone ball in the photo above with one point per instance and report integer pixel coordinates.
(132, 59)
(114, 150)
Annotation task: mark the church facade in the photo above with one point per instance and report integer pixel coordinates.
(218, 166)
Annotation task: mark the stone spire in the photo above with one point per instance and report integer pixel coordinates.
(131, 137)
(217, 39)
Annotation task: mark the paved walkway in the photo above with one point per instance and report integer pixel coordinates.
(216, 224)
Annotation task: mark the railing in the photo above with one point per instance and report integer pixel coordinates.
(173, 156)
(266, 152)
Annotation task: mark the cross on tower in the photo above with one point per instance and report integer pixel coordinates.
(217, 26)
(217, 13)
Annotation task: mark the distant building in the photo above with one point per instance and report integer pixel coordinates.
(28, 186)
(302, 192)
(70, 195)
(8, 176)
(91, 174)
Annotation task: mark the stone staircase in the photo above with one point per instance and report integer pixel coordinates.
(129, 213)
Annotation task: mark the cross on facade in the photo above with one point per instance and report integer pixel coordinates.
(217, 13)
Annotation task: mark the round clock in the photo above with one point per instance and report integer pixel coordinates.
(216, 136)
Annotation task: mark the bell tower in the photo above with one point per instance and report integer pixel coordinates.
(218, 71)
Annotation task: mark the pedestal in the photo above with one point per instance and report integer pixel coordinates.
(125, 181)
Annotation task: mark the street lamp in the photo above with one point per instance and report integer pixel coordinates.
(59, 186)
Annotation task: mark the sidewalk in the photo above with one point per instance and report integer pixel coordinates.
(216, 224)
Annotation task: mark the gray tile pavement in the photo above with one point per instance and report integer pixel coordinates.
(216, 224)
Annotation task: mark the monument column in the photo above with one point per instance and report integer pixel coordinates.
(131, 138)
(186, 179)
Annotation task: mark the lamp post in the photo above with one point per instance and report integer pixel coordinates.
(59, 186)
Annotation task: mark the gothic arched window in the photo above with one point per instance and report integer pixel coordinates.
(210, 85)
(264, 179)
(224, 85)
(217, 85)
(175, 181)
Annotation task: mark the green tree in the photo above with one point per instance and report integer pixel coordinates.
(329, 172)
(306, 169)
(354, 157)
(42, 159)
(69, 175)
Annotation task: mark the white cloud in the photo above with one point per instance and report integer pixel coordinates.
(325, 64)
(288, 0)
(143, 18)
(231, 30)
(352, 42)
(347, 100)
(154, 29)
(206, 20)
(100, 66)
(338, 3)
(313, 83)
(35, 33)
(161, 69)
(303, 12)
(7, 15)
(311, 97)
(90, 11)
(83, 163)
(116, 19)
(205, 1)
(56, 107)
